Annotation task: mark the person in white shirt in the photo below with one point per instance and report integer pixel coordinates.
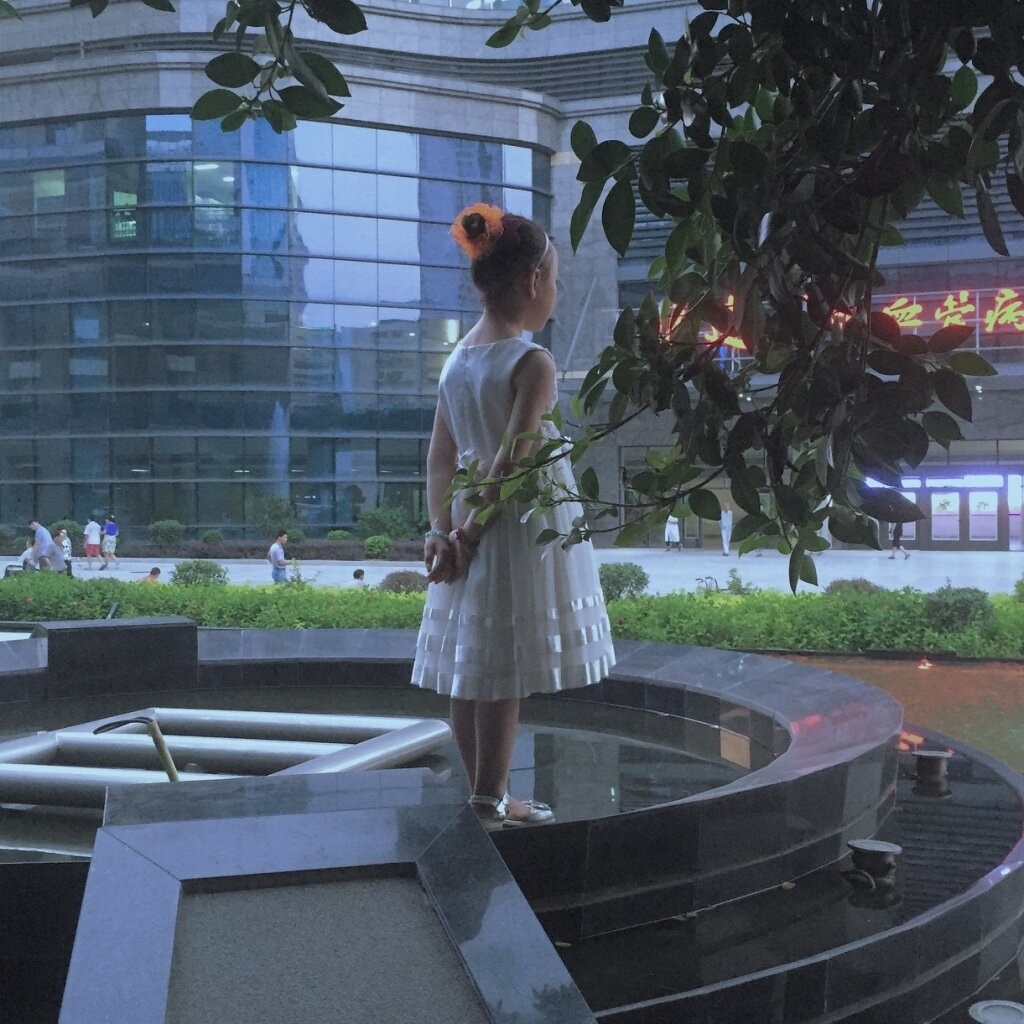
(726, 523)
(92, 532)
(64, 541)
(277, 558)
(28, 557)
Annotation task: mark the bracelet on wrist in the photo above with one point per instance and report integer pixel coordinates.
(435, 533)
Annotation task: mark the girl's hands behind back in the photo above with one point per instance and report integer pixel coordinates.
(439, 560)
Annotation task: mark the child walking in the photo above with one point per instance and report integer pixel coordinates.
(504, 617)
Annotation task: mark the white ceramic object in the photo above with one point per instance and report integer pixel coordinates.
(997, 1011)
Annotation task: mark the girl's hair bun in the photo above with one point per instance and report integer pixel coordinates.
(477, 229)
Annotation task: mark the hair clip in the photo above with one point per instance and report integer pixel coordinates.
(486, 231)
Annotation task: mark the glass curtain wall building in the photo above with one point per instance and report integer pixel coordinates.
(191, 320)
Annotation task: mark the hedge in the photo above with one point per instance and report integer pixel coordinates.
(847, 621)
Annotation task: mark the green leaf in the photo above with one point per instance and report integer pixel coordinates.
(964, 88)
(330, 77)
(945, 339)
(597, 10)
(234, 120)
(589, 484)
(970, 364)
(802, 566)
(941, 427)
(305, 104)
(538, 21)
(951, 390)
(890, 505)
(341, 16)
(278, 116)
(7, 10)
(705, 504)
(232, 69)
(744, 493)
(625, 330)
(618, 216)
(643, 121)
(948, 195)
(604, 160)
(632, 533)
(215, 103)
(546, 536)
(582, 139)
(747, 527)
(989, 218)
(891, 236)
(505, 35)
(584, 211)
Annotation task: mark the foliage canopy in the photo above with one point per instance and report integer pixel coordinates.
(784, 142)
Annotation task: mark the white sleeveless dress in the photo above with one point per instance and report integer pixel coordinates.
(527, 618)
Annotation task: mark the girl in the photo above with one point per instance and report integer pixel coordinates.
(504, 617)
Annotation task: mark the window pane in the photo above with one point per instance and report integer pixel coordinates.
(355, 146)
(175, 501)
(311, 188)
(398, 197)
(311, 143)
(398, 240)
(355, 237)
(220, 504)
(518, 165)
(312, 233)
(355, 192)
(397, 152)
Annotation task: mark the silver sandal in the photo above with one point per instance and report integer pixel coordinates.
(499, 811)
(539, 814)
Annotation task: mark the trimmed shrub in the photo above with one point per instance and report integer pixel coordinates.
(212, 537)
(951, 608)
(339, 535)
(296, 536)
(857, 584)
(198, 572)
(75, 531)
(622, 579)
(385, 521)
(1018, 589)
(167, 532)
(404, 581)
(377, 546)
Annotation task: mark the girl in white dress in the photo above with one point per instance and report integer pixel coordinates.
(504, 616)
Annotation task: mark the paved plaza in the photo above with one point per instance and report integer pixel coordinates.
(993, 571)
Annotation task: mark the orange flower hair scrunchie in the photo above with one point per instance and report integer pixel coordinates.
(480, 236)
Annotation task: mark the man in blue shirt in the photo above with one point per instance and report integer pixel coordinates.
(46, 553)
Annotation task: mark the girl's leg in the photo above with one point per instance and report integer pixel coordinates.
(496, 725)
(463, 715)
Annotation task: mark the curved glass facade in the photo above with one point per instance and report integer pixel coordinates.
(190, 319)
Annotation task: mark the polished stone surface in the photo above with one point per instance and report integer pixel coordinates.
(813, 763)
(121, 963)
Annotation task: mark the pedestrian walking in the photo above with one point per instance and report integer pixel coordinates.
(108, 546)
(278, 559)
(726, 526)
(92, 533)
(504, 616)
(897, 541)
(672, 534)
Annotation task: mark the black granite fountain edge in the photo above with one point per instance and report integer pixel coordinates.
(912, 972)
(832, 779)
